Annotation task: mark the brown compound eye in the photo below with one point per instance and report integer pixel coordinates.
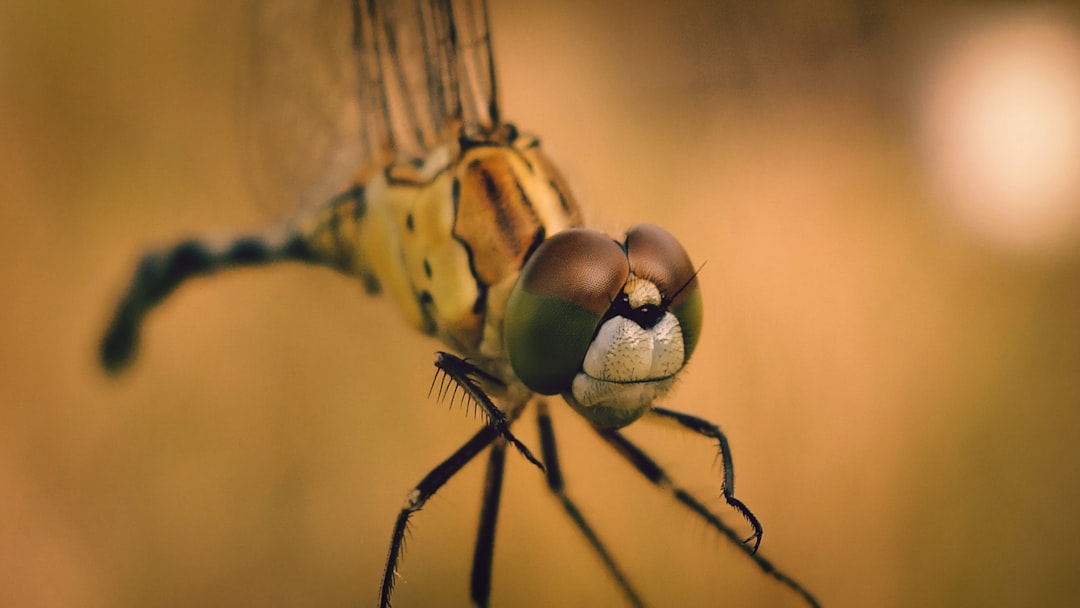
(655, 255)
(560, 298)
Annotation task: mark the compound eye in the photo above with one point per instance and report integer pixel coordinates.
(554, 309)
(656, 255)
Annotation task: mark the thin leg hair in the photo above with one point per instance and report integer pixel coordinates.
(463, 373)
(654, 473)
(557, 487)
(727, 486)
(419, 495)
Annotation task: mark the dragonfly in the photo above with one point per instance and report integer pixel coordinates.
(468, 227)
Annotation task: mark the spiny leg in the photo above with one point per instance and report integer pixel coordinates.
(654, 473)
(480, 586)
(727, 486)
(462, 373)
(420, 494)
(557, 487)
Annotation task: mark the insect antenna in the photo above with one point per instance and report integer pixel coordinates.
(688, 282)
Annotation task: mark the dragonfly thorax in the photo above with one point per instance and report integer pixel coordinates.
(445, 237)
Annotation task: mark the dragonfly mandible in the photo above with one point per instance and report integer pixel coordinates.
(468, 227)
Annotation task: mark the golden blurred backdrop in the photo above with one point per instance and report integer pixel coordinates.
(884, 197)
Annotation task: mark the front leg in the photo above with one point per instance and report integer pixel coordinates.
(727, 485)
(652, 471)
(462, 375)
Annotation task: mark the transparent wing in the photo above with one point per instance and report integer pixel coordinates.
(304, 130)
(332, 86)
(476, 66)
(434, 63)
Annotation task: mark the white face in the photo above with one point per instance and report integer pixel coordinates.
(628, 366)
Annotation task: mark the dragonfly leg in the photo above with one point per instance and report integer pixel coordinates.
(463, 375)
(727, 486)
(557, 487)
(480, 586)
(654, 473)
(419, 495)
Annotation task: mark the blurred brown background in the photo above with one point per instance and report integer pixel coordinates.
(885, 201)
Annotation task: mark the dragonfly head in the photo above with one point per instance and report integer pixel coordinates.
(607, 324)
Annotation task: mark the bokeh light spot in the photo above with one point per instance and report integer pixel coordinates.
(1000, 127)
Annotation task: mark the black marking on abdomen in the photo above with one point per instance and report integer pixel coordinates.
(297, 248)
(167, 269)
(159, 273)
(248, 251)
